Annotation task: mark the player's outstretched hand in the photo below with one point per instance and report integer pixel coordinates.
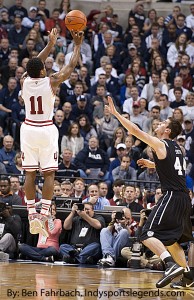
(53, 36)
(78, 37)
(145, 163)
(111, 106)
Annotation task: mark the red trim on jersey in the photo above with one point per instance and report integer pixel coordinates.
(38, 123)
(49, 169)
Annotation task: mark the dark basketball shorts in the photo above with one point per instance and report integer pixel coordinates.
(170, 220)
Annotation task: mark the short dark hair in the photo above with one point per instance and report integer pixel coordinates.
(175, 127)
(5, 178)
(34, 66)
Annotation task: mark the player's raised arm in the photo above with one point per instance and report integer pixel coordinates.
(47, 49)
(66, 71)
(153, 142)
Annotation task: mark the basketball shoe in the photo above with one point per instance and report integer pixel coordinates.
(107, 261)
(38, 223)
(172, 270)
(183, 283)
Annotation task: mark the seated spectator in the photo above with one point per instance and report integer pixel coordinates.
(154, 114)
(116, 236)
(154, 124)
(180, 45)
(156, 196)
(11, 229)
(18, 10)
(47, 249)
(92, 161)
(6, 195)
(85, 226)
(106, 127)
(129, 194)
(147, 176)
(73, 140)
(86, 51)
(67, 87)
(18, 115)
(81, 107)
(124, 171)
(51, 22)
(36, 36)
(117, 187)
(2, 169)
(29, 20)
(7, 154)
(59, 62)
(119, 136)
(103, 190)
(78, 188)
(120, 151)
(66, 188)
(132, 150)
(5, 22)
(115, 60)
(16, 188)
(8, 96)
(128, 103)
(139, 74)
(94, 198)
(66, 167)
(125, 90)
(86, 129)
(17, 34)
(165, 109)
(136, 116)
(178, 98)
(148, 90)
(101, 70)
(84, 78)
(188, 109)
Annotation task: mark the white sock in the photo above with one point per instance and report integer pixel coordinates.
(45, 207)
(164, 255)
(31, 206)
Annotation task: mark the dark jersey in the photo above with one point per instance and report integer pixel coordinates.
(171, 170)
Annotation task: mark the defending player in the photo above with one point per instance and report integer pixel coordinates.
(169, 223)
(39, 136)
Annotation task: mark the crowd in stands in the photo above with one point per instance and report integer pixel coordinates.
(146, 67)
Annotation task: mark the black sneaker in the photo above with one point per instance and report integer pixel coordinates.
(173, 270)
(69, 260)
(183, 283)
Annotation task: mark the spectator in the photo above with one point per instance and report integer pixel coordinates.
(117, 187)
(49, 66)
(86, 129)
(51, 22)
(18, 10)
(121, 150)
(6, 195)
(190, 18)
(5, 22)
(64, 9)
(178, 82)
(106, 127)
(149, 180)
(101, 70)
(78, 188)
(43, 12)
(7, 153)
(138, 13)
(36, 36)
(85, 247)
(182, 28)
(154, 114)
(17, 34)
(103, 190)
(136, 116)
(11, 230)
(124, 171)
(28, 50)
(94, 197)
(29, 20)
(61, 125)
(16, 188)
(128, 103)
(165, 109)
(129, 194)
(188, 109)
(16, 168)
(73, 140)
(67, 167)
(67, 87)
(59, 62)
(47, 249)
(178, 98)
(84, 77)
(92, 161)
(18, 115)
(116, 236)
(148, 90)
(8, 96)
(66, 188)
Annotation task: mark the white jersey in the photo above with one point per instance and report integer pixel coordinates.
(39, 101)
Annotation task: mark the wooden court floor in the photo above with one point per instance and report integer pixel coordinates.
(51, 281)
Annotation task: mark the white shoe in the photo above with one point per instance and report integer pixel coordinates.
(38, 224)
(4, 256)
(107, 261)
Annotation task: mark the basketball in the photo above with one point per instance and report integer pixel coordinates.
(75, 20)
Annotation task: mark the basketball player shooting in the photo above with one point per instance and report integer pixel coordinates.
(39, 136)
(169, 223)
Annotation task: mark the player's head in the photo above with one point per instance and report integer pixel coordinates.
(175, 128)
(35, 68)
